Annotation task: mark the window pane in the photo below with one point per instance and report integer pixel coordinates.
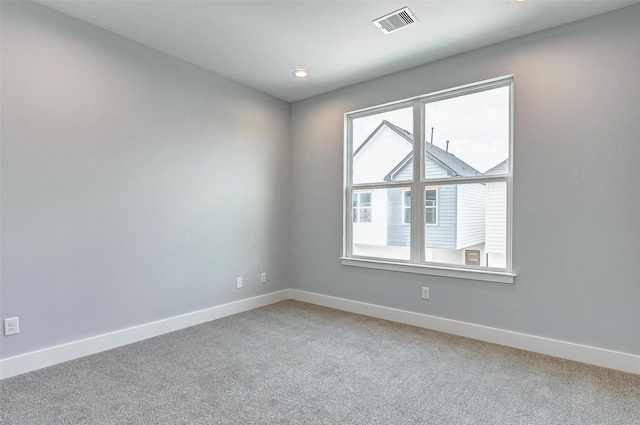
(407, 206)
(471, 226)
(431, 206)
(430, 216)
(365, 199)
(468, 135)
(385, 235)
(365, 215)
(407, 215)
(361, 205)
(382, 147)
(430, 197)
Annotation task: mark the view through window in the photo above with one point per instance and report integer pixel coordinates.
(459, 169)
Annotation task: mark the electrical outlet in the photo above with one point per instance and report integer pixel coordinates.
(263, 278)
(11, 326)
(425, 293)
(239, 282)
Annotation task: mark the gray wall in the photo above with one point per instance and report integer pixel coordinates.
(576, 194)
(135, 186)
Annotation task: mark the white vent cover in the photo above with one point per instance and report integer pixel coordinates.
(395, 21)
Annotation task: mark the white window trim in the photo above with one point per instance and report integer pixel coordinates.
(487, 275)
(418, 266)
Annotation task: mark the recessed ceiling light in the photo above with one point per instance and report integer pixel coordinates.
(300, 73)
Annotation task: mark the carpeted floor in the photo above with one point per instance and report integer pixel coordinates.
(296, 363)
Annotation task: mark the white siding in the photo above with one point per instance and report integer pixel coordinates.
(443, 234)
(471, 215)
(496, 218)
(379, 156)
(398, 233)
(374, 233)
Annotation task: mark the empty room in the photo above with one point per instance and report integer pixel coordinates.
(320, 212)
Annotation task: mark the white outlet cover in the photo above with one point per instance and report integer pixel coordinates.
(11, 326)
(425, 293)
(238, 282)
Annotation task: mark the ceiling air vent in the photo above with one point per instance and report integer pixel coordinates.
(395, 21)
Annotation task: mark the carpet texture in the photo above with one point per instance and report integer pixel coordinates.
(296, 363)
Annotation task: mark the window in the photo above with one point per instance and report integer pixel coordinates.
(459, 167)
(431, 206)
(406, 207)
(361, 207)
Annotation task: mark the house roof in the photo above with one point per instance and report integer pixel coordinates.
(454, 165)
(502, 168)
(402, 132)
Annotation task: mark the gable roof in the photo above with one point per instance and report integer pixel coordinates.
(402, 132)
(502, 168)
(454, 165)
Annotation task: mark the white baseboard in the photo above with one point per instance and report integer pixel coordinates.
(50, 356)
(566, 350)
(582, 353)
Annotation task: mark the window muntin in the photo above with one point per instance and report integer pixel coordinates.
(454, 182)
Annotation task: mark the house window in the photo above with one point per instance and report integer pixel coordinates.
(459, 167)
(406, 207)
(431, 206)
(361, 207)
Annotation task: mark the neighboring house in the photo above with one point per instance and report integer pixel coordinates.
(458, 217)
(496, 218)
(385, 147)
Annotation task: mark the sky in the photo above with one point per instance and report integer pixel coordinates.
(476, 125)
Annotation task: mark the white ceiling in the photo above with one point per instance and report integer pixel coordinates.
(259, 43)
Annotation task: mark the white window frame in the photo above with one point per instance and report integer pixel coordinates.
(419, 186)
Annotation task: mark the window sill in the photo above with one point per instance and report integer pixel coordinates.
(460, 273)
